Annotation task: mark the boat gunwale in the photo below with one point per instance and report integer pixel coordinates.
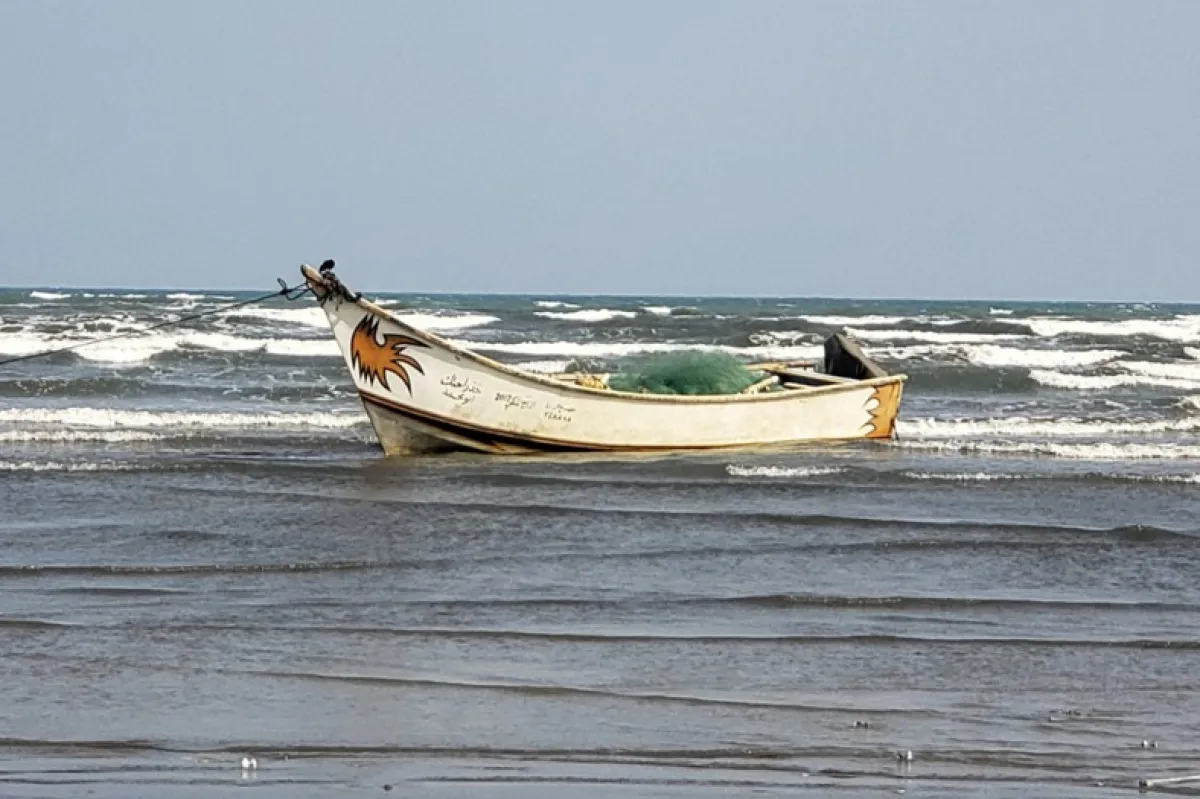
(313, 277)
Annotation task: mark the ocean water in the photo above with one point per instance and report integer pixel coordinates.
(204, 558)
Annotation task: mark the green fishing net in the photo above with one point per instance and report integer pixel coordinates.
(684, 373)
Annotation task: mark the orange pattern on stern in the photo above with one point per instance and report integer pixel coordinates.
(884, 405)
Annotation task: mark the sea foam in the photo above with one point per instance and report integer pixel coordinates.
(543, 367)
(736, 470)
(139, 349)
(607, 349)
(22, 343)
(308, 317)
(842, 321)
(114, 419)
(587, 315)
(446, 322)
(1076, 382)
(987, 477)
(929, 336)
(76, 436)
(1180, 371)
(1181, 328)
(1000, 357)
(1019, 427)
(59, 466)
(1091, 451)
(315, 317)
(965, 477)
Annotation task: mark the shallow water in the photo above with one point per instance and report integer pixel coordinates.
(204, 558)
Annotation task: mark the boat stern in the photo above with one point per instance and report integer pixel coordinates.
(883, 407)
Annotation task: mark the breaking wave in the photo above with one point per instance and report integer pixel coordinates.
(994, 355)
(1018, 426)
(1173, 478)
(75, 436)
(735, 470)
(931, 336)
(587, 315)
(842, 321)
(967, 477)
(613, 349)
(221, 341)
(990, 477)
(872, 327)
(1174, 371)
(110, 419)
(143, 348)
(131, 350)
(544, 367)
(439, 322)
(303, 348)
(315, 317)
(1181, 328)
(1099, 451)
(60, 466)
(22, 343)
(1076, 382)
(48, 295)
(308, 317)
(913, 351)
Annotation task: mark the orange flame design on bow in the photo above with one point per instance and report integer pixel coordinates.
(374, 360)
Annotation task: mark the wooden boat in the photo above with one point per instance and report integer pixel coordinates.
(424, 394)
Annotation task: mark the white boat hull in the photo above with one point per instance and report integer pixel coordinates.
(424, 394)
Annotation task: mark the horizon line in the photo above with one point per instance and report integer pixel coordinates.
(614, 295)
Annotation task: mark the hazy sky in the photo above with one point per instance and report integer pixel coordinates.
(954, 149)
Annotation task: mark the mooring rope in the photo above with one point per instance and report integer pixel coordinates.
(289, 292)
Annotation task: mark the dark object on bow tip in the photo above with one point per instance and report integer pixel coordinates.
(326, 267)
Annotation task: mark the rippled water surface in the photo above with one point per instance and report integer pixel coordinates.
(203, 558)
